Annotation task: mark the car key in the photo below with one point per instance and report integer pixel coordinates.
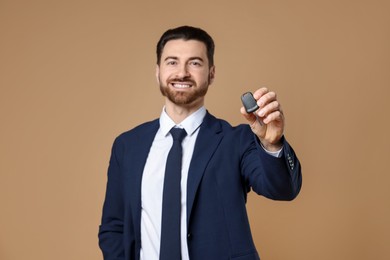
(249, 102)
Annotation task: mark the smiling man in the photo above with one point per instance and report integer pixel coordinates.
(184, 74)
(177, 185)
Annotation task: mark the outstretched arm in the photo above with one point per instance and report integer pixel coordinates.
(275, 178)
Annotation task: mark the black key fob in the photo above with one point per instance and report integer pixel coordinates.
(249, 102)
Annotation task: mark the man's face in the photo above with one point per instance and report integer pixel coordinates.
(184, 73)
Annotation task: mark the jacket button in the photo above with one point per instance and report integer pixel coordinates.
(189, 236)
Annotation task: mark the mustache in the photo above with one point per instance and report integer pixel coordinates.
(182, 79)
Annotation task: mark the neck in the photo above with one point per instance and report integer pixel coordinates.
(180, 112)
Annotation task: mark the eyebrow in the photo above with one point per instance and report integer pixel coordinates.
(176, 58)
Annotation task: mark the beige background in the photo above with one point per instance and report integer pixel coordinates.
(75, 74)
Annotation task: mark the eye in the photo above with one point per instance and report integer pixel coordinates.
(195, 63)
(171, 62)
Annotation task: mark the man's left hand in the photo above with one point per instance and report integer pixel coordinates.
(268, 125)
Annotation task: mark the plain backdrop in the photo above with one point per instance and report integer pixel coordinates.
(75, 74)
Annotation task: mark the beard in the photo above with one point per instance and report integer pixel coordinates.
(184, 97)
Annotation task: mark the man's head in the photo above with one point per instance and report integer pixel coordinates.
(187, 33)
(185, 66)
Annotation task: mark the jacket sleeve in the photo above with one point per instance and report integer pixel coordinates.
(111, 228)
(272, 177)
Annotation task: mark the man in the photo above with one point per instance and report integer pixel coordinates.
(219, 165)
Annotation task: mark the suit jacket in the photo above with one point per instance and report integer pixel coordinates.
(227, 162)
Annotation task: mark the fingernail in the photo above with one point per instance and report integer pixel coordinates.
(261, 113)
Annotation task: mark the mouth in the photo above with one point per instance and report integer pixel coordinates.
(181, 85)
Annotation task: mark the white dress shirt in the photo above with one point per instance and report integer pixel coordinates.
(153, 182)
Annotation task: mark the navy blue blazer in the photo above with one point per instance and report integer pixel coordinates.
(227, 162)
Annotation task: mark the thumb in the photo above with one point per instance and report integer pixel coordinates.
(251, 118)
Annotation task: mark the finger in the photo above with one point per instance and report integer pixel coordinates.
(269, 108)
(251, 118)
(260, 92)
(266, 98)
(274, 116)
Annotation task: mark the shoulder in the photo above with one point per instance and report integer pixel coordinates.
(134, 139)
(142, 130)
(232, 134)
(225, 126)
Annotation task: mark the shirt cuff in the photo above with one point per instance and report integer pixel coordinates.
(277, 154)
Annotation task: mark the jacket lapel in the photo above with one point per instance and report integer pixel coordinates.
(209, 137)
(143, 142)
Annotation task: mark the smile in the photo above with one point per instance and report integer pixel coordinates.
(181, 85)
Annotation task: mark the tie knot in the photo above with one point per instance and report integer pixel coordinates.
(178, 134)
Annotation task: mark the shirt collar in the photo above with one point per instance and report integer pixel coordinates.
(190, 124)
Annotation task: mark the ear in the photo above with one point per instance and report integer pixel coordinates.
(157, 74)
(211, 74)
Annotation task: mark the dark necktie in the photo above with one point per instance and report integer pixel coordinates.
(170, 247)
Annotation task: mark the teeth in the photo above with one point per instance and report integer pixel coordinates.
(181, 85)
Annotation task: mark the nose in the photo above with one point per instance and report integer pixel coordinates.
(182, 71)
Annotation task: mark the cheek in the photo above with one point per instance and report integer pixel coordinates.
(166, 74)
(162, 77)
(206, 77)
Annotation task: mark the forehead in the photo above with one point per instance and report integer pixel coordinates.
(184, 48)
